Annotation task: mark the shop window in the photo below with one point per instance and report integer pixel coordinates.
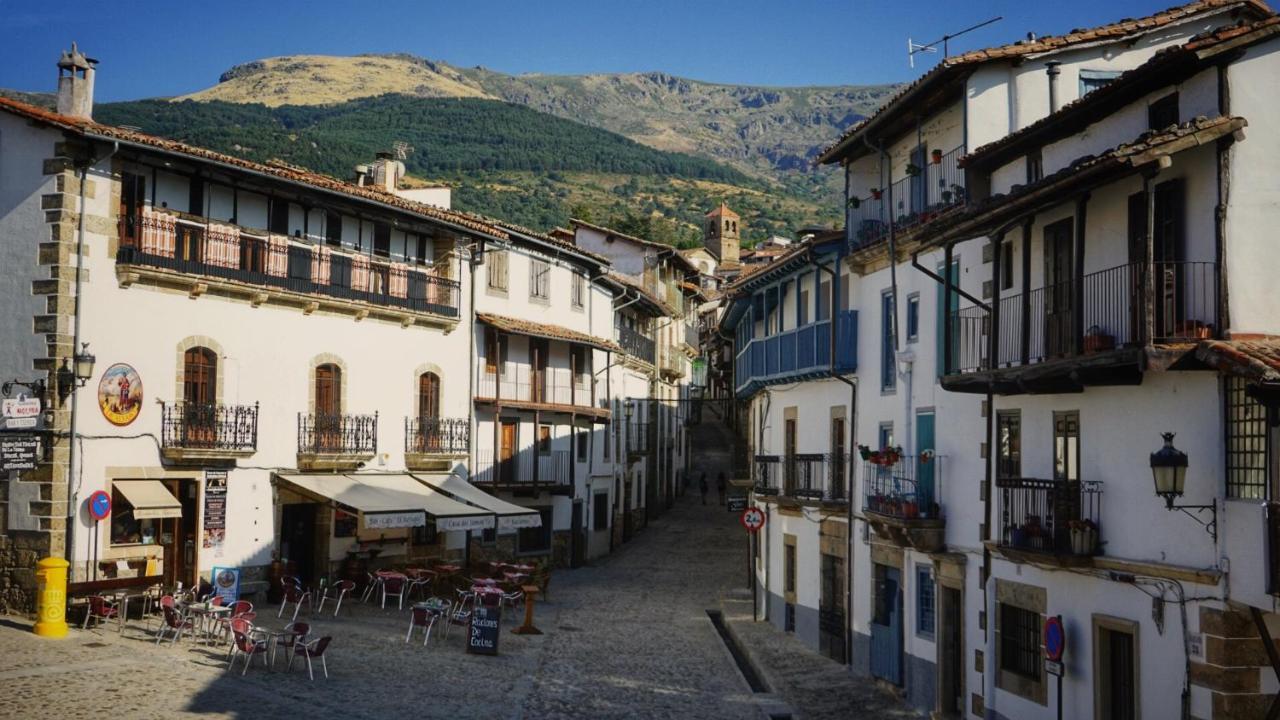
(125, 528)
(536, 540)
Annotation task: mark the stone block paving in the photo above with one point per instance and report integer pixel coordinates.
(626, 637)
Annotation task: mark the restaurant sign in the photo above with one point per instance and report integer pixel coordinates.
(21, 413)
(226, 584)
(482, 638)
(18, 452)
(393, 520)
(467, 522)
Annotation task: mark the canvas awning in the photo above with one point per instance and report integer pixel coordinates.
(510, 516)
(150, 499)
(393, 501)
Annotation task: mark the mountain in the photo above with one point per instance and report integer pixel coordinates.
(765, 131)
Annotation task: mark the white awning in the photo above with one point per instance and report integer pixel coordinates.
(150, 499)
(510, 516)
(393, 501)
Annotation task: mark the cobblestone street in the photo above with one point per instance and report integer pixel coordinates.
(628, 637)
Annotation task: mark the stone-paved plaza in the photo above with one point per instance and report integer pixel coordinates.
(628, 637)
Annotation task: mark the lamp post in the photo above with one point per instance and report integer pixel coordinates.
(1169, 472)
(75, 372)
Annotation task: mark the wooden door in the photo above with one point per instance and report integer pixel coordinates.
(133, 194)
(328, 417)
(951, 653)
(789, 448)
(1058, 289)
(428, 396)
(886, 626)
(1168, 254)
(538, 372)
(199, 394)
(507, 453)
(178, 535)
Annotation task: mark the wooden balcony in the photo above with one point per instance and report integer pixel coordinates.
(526, 472)
(555, 390)
(798, 354)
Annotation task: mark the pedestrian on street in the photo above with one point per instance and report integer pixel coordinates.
(702, 485)
(720, 484)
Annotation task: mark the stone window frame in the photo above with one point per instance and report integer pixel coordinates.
(418, 372)
(344, 381)
(1034, 599)
(1101, 661)
(180, 363)
(790, 573)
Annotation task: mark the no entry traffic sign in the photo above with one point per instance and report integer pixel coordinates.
(752, 519)
(1055, 639)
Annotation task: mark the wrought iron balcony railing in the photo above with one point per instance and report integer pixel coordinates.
(341, 434)
(1055, 517)
(916, 199)
(209, 427)
(437, 436)
(907, 489)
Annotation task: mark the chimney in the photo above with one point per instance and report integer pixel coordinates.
(75, 84)
(1051, 69)
(387, 172)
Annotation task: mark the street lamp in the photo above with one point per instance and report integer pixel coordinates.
(1169, 472)
(77, 370)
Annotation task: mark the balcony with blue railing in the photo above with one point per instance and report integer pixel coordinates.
(798, 354)
(914, 200)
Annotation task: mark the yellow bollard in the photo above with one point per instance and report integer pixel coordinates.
(51, 597)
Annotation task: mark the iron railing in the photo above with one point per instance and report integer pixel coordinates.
(519, 383)
(337, 434)
(1059, 517)
(1043, 324)
(907, 490)
(916, 199)
(814, 476)
(437, 436)
(525, 467)
(635, 343)
(806, 349)
(209, 426)
(767, 474)
(224, 251)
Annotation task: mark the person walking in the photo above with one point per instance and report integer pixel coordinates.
(702, 485)
(720, 485)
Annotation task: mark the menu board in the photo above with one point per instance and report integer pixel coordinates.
(215, 508)
(482, 635)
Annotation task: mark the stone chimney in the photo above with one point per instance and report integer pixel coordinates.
(75, 84)
(387, 172)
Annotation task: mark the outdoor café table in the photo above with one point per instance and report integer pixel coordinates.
(491, 593)
(206, 613)
(122, 597)
(273, 637)
(515, 577)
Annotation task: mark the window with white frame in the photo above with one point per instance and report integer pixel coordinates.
(539, 280)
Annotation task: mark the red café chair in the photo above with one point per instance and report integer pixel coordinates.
(99, 609)
(422, 619)
(293, 593)
(313, 649)
(239, 609)
(174, 622)
(394, 585)
(247, 645)
(294, 633)
(342, 588)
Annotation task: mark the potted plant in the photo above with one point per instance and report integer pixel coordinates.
(1084, 537)
(1032, 528)
(910, 509)
(946, 196)
(877, 193)
(937, 156)
(855, 202)
(914, 169)
(864, 452)
(1095, 341)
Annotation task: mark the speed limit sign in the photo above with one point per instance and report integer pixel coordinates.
(752, 519)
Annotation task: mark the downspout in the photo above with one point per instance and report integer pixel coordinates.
(853, 413)
(75, 343)
(472, 425)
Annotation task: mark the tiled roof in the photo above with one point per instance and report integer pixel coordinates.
(1253, 359)
(966, 221)
(640, 289)
(543, 330)
(552, 240)
(1157, 68)
(950, 67)
(723, 211)
(281, 171)
(689, 266)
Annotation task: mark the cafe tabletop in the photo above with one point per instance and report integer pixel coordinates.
(486, 589)
(448, 568)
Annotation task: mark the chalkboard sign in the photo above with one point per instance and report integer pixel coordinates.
(482, 635)
(18, 452)
(737, 503)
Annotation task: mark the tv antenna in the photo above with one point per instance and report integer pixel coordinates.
(401, 149)
(932, 47)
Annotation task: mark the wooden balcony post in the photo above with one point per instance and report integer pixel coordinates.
(1148, 266)
(1026, 292)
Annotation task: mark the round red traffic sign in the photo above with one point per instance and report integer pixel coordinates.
(99, 505)
(752, 519)
(1055, 639)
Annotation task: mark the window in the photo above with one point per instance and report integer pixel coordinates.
(536, 540)
(803, 301)
(382, 239)
(888, 370)
(1163, 112)
(789, 567)
(278, 216)
(1066, 445)
(125, 528)
(579, 293)
(945, 364)
(1009, 444)
(1020, 641)
(496, 261)
(1006, 265)
(823, 311)
(838, 459)
(195, 196)
(1035, 166)
(539, 280)
(600, 511)
(581, 438)
(1246, 432)
(544, 439)
(913, 317)
(1091, 80)
(333, 229)
(924, 601)
(199, 376)
(886, 435)
(428, 395)
(328, 390)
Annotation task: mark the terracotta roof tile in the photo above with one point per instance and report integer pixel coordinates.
(723, 211)
(543, 330)
(947, 67)
(1253, 359)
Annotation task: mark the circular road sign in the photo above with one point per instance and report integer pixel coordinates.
(1055, 639)
(99, 505)
(752, 519)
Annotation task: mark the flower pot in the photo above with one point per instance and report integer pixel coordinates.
(1018, 537)
(1097, 343)
(877, 194)
(1084, 541)
(937, 157)
(910, 509)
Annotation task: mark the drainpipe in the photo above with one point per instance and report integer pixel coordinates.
(75, 343)
(853, 413)
(1053, 71)
(472, 425)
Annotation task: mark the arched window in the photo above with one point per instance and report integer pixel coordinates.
(200, 376)
(328, 389)
(428, 395)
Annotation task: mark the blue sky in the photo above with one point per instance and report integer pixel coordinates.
(152, 48)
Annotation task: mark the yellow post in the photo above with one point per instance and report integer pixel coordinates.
(51, 597)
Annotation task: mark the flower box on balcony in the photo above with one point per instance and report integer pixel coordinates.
(1194, 329)
(1096, 342)
(1084, 537)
